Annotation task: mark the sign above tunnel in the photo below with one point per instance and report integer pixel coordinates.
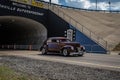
(23, 1)
(19, 8)
(23, 8)
(30, 2)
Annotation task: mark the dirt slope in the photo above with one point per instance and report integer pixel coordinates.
(105, 25)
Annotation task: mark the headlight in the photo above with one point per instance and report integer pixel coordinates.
(78, 49)
(82, 48)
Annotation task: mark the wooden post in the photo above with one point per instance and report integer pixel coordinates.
(14, 47)
(30, 47)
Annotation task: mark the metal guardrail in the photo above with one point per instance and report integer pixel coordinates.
(20, 47)
(89, 48)
(57, 10)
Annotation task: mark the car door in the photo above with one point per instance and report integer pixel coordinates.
(53, 45)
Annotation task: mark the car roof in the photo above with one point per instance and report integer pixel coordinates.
(57, 38)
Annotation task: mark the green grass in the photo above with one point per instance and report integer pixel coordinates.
(9, 74)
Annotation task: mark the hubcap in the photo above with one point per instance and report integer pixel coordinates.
(65, 52)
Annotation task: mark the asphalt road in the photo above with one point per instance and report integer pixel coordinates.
(103, 61)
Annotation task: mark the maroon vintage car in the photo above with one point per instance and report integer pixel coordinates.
(62, 45)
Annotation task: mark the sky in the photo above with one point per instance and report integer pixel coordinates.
(90, 4)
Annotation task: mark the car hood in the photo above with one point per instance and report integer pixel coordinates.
(75, 44)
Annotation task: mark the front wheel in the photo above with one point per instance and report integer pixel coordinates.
(81, 53)
(65, 52)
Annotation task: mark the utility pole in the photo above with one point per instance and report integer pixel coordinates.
(109, 6)
(96, 4)
(50, 2)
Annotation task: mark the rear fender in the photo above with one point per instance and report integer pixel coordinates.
(68, 47)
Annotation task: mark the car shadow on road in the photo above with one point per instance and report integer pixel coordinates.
(58, 55)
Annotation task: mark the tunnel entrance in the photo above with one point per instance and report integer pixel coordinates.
(22, 33)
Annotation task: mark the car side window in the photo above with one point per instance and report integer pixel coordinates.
(49, 40)
(56, 41)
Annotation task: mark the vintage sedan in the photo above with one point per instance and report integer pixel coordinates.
(62, 45)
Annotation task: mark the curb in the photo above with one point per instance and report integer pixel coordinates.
(115, 53)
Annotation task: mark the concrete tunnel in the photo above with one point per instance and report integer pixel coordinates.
(21, 31)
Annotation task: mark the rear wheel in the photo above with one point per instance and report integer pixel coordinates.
(65, 52)
(44, 50)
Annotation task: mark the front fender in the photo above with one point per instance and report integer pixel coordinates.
(82, 48)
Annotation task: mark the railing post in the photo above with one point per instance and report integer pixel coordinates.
(58, 12)
(52, 7)
(8, 46)
(82, 29)
(14, 47)
(69, 20)
(76, 23)
(106, 45)
(98, 40)
(63, 15)
(30, 47)
(90, 34)
(2, 46)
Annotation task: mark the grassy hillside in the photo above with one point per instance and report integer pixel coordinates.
(117, 48)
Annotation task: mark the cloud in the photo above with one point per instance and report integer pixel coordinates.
(46, 0)
(80, 3)
(53, 1)
(103, 6)
(89, 4)
(115, 6)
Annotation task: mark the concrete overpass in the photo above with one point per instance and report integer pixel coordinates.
(24, 26)
(102, 28)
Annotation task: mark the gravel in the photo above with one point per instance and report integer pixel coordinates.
(46, 70)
